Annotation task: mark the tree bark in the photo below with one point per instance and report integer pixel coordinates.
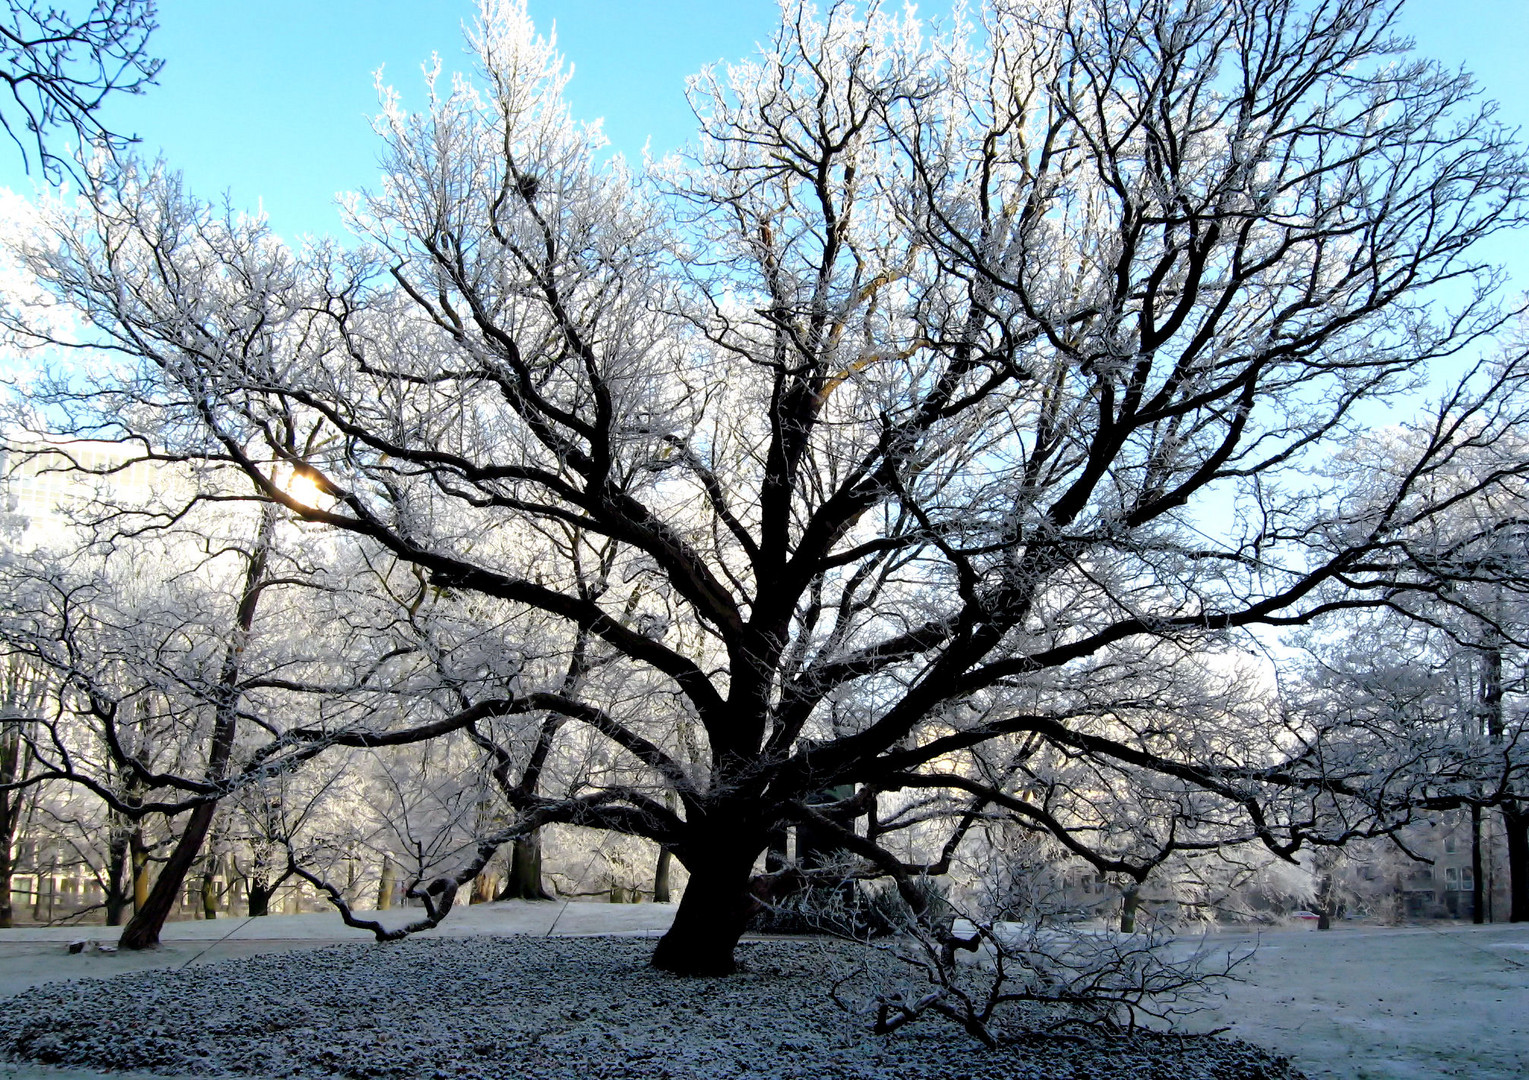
(1515, 825)
(7, 916)
(260, 890)
(117, 873)
(14, 758)
(142, 931)
(1326, 888)
(1130, 900)
(1515, 816)
(210, 888)
(712, 914)
(138, 856)
(524, 881)
(24, 689)
(1478, 879)
(387, 880)
(42, 913)
(662, 893)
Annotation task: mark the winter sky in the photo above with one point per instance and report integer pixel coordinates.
(270, 101)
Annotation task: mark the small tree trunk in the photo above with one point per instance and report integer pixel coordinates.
(386, 881)
(210, 888)
(1130, 900)
(483, 888)
(525, 878)
(1478, 879)
(1515, 824)
(139, 855)
(117, 898)
(14, 758)
(661, 889)
(39, 906)
(712, 914)
(260, 891)
(142, 931)
(1325, 902)
(7, 917)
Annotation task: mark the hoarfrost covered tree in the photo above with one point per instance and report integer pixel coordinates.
(182, 634)
(958, 378)
(1423, 691)
(144, 653)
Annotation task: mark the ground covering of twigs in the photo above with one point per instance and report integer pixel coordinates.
(582, 1008)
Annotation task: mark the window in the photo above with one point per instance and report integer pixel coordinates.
(1449, 845)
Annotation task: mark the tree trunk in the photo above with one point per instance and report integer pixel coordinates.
(1515, 824)
(7, 917)
(142, 931)
(117, 895)
(139, 857)
(712, 913)
(1515, 816)
(387, 880)
(661, 889)
(483, 888)
(24, 690)
(1130, 900)
(525, 878)
(210, 888)
(260, 891)
(1326, 889)
(42, 911)
(1478, 879)
(14, 758)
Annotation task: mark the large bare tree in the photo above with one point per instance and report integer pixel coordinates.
(907, 434)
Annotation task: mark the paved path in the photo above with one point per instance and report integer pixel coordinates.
(1356, 1003)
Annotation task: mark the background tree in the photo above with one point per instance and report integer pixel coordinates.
(161, 683)
(23, 689)
(955, 379)
(1430, 682)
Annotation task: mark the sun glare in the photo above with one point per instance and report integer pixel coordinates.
(302, 488)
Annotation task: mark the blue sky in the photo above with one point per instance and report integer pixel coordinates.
(270, 100)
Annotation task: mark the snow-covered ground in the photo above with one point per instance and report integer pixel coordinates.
(1376, 1003)
(1356, 1002)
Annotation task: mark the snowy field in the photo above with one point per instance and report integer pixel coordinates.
(1357, 1002)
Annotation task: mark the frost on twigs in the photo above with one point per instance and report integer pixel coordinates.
(997, 979)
